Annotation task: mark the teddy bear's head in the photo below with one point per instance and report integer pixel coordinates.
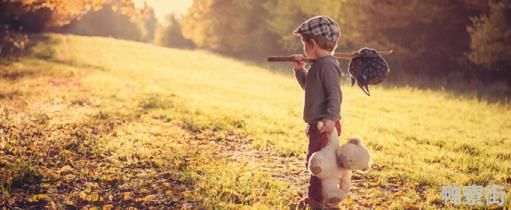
(354, 155)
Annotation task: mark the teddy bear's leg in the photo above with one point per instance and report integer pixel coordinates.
(331, 191)
(324, 160)
(345, 181)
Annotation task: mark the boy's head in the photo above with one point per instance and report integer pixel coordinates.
(319, 35)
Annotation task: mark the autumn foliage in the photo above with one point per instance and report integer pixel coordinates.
(430, 38)
(56, 12)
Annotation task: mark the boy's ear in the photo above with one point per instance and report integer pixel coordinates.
(314, 43)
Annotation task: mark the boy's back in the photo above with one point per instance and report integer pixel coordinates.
(323, 95)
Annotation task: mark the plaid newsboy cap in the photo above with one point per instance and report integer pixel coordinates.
(320, 26)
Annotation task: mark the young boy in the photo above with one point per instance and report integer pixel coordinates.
(323, 95)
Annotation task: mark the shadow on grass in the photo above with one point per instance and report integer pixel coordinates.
(492, 94)
(47, 47)
(39, 50)
(40, 47)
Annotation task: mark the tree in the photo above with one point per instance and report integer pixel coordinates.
(110, 21)
(491, 40)
(150, 23)
(172, 35)
(45, 14)
(217, 25)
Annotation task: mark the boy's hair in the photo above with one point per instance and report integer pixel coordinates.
(323, 43)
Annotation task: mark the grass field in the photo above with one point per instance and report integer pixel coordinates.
(91, 122)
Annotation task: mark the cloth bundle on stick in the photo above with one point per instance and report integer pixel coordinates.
(366, 66)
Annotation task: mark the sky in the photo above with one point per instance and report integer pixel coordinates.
(164, 7)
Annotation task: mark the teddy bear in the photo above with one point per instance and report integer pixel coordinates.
(334, 163)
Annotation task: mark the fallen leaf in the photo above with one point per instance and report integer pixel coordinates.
(108, 207)
(147, 198)
(409, 206)
(110, 180)
(92, 197)
(53, 176)
(370, 202)
(65, 170)
(348, 201)
(39, 198)
(169, 193)
(82, 195)
(126, 196)
(69, 178)
(397, 194)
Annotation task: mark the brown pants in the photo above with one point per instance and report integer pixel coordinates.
(316, 142)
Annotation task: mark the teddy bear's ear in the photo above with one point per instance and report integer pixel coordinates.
(354, 140)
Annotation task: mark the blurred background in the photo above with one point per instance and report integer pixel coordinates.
(459, 43)
(170, 104)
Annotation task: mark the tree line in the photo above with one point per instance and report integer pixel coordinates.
(115, 18)
(111, 18)
(468, 39)
(464, 39)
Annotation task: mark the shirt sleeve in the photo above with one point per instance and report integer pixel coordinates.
(330, 77)
(301, 75)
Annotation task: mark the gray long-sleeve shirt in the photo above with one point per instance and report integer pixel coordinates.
(323, 95)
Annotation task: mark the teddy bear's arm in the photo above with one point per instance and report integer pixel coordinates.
(345, 181)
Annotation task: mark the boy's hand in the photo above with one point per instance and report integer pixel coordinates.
(299, 64)
(328, 126)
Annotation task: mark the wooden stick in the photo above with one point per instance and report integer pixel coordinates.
(286, 59)
(339, 56)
